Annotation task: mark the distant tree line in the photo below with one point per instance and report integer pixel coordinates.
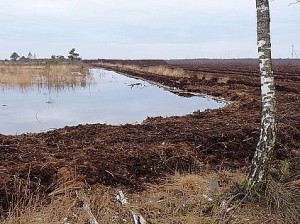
(15, 56)
(73, 56)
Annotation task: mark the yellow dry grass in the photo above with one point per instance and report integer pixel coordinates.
(183, 198)
(169, 71)
(158, 70)
(54, 76)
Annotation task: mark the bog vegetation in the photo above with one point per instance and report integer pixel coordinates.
(183, 198)
(51, 75)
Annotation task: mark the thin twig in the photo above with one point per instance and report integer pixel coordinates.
(136, 217)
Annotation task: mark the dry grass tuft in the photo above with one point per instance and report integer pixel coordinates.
(165, 71)
(223, 80)
(19, 195)
(184, 199)
(285, 198)
(208, 77)
(200, 76)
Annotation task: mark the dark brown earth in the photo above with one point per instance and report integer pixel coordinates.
(132, 155)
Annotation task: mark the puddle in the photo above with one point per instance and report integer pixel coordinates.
(112, 99)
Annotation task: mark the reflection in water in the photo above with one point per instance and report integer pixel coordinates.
(112, 99)
(54, 77)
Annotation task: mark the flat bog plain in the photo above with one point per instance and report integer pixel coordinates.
(172, 169)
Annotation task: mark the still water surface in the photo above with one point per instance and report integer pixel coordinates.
(110, 98)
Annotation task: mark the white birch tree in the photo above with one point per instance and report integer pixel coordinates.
(258, 175)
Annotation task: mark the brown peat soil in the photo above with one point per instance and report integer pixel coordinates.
(132, 157)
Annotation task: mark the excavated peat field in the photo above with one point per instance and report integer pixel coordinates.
(132, 155)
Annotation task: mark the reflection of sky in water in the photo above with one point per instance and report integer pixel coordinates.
(112, 100)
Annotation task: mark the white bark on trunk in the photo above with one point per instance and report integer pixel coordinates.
(265, 147)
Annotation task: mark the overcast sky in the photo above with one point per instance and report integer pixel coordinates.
(136, 29)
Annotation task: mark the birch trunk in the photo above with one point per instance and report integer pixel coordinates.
(265, 147)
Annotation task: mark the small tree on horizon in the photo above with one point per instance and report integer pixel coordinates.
(29, 55)
(60, 57)
(73, 55)
(14, 56)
